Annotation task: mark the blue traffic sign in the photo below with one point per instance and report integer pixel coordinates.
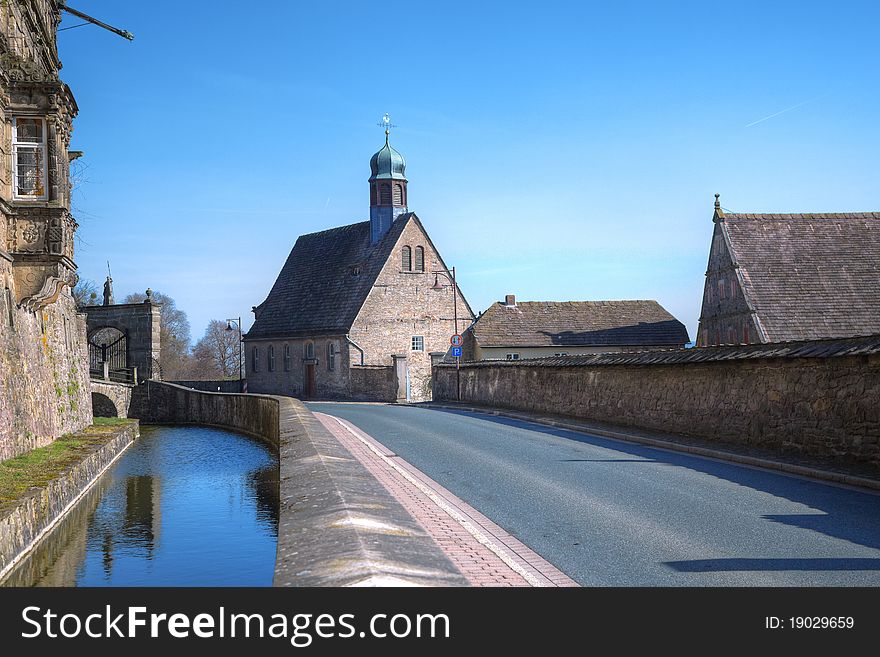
(456, 352)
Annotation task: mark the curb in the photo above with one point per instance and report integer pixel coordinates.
(721, 455)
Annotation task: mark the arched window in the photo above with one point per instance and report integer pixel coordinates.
(406, 258)
(286, 357)
(310, 350)
(271, 351)
(420, 259)
(398, 194)
(385, 194)
(331, 356)
(255, 359)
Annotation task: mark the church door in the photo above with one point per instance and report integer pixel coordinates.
(311, 383)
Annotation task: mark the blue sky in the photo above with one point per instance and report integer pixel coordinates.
(556, 151)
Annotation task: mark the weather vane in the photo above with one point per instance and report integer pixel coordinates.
(386, 123)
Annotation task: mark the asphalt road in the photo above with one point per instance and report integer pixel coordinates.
(611, 513)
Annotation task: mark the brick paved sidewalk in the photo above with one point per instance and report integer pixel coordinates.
(483, 552)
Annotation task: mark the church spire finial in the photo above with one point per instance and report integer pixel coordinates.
(386, 123)
(717, 201)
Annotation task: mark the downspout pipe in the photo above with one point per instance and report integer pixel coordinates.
(356, 346)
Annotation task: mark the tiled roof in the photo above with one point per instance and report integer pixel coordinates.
(862, 346)
(317, 292)
(578, 323)
(809, 276)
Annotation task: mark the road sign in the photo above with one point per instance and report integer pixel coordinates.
(456, 352)
(456, 340)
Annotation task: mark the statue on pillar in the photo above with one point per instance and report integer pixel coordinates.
(108, 291)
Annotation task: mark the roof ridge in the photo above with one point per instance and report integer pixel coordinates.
(801, 215)
(330, 230)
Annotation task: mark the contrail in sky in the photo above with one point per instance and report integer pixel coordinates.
(788, 109)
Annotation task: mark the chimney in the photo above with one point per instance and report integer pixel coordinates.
(510, 300)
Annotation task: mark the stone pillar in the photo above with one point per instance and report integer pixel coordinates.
(401, 374)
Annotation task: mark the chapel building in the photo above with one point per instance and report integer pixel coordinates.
(357, 311)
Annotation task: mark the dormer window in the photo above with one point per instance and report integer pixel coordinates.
(29, 158)
(356, 270)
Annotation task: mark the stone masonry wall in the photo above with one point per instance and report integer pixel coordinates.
(44, 378)
(289, 379)
(402, 305)
(22, 524)
(819, 406)
(155, 402)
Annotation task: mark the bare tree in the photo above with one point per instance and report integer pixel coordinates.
(217, 354)
(83, 291)
(174, 356)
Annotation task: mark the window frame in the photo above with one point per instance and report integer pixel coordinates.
(331, 356)
(514, 355)
(286, 357)
(270, 358)
(406, 259)
(255, 358)
(417, 339)
(419, 259)
(309, 351)
(42, 147)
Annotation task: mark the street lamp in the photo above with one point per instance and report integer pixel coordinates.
(450, 276)
(231, 325)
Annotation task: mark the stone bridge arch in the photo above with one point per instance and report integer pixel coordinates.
(110, 399)
(140, 323)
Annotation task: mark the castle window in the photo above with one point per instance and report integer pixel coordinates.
(310, 351)
(384, 194)
(420, 259)
(398, 194)
(418, 343)
(286, 357)
(271, 357)
(406, 259)
(255, 359)
(29, 158)
(331, 356)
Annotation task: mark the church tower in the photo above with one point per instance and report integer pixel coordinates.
(387, 187)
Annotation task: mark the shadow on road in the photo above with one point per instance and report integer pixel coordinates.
(721, 565)
(843, 513)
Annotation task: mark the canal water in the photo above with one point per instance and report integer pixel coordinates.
(183, 506)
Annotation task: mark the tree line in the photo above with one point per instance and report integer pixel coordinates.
(215, 356)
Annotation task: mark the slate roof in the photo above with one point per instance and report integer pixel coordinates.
(578, 323)
(809, 276)
(316, 292)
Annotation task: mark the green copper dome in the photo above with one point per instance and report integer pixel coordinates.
(387, 164)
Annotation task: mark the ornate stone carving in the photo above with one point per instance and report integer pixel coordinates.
(21, 70)
(60, 276)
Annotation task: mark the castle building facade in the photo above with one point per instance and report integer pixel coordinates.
(357, 311)
(44, 382)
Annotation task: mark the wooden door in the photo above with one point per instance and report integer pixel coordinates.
(311, 383)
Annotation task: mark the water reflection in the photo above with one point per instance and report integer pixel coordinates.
(184, 506)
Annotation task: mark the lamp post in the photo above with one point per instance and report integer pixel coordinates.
(449, 274)
(229, 327)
